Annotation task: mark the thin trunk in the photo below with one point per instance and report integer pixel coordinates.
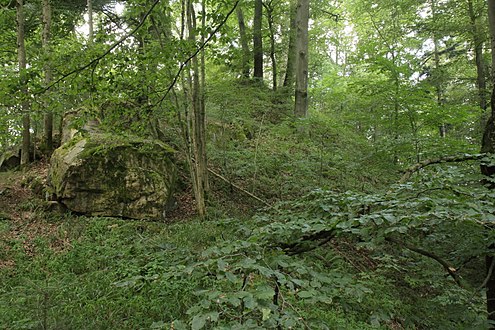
(204, 165)
(244, 43)
(271, 28)
(46, 36)
(488, 145)
(21, 56)
(291, 51)
(258, 40)
(437, 77)
(90, 21)
(478, 41)
(197, 124)
(301, 103)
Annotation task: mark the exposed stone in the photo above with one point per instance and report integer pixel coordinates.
(10, 160)
(108, 175)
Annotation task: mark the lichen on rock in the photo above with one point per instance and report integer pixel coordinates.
(109, 175)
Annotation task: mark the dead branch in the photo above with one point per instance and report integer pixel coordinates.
(449, 159)
(239, 188)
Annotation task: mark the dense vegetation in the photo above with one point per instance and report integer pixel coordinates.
(367, 210)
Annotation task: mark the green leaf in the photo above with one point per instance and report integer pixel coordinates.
(198, 322)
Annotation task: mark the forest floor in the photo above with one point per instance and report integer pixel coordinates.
(25, 216)
(20, 208)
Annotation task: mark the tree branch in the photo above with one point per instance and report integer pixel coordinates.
(449, 159)
(449, 268)
(203, 45)
(239, 188)
(96, 60)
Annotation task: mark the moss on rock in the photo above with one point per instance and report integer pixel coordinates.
(112, 175)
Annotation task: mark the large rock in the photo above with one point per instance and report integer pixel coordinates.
(109, 175)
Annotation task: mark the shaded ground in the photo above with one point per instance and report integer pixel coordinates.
(23, 214)
(26, 217)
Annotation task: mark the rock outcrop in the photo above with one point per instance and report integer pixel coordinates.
(108, 175)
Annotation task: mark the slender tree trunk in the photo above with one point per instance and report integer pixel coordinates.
(244, 43)
(437, 77)
(478, 41)
(202, 110)
(21, 56)
(488, 145)
(271, 28)
(291, 51)
(46, 36)
(199, 171)
(258, 40)
(301, 103)
(90, 21)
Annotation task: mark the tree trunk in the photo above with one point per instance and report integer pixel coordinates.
(90, 21)
(488, 145)
(478, 41)
(291, 51)
(437, 76)
(271, 28)
(21, 56)
(244, 43)
(199, 171)
(45, 41)
(258, 40)
(301, 103)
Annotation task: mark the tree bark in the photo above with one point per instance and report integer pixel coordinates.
(244, 43)
(21, 57)
(488, 145)
(291, 50)
(301, 103)
(45, 41)
(271, 28)
(258, 40)
(478, 41)
(90, 21)
(199, 170)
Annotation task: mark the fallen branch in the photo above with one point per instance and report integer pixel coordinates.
(239, 188)
(449, 268)
(449, 159)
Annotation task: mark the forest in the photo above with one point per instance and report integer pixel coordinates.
(247, 164)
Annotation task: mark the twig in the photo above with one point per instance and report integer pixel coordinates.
(449, 268)
(96, 60)
(449, 159)
(239, 188)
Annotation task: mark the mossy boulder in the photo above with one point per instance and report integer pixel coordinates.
(108, 175)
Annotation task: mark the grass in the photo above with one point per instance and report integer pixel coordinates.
(79, 288)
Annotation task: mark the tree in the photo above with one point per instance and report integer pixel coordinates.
(488, 146)
(244, 43)
(301, 103)
(258, 40)
(291, 47)
(478, 43)
(21, 56)
(269, 8)
(45, 41)
(90, 21)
